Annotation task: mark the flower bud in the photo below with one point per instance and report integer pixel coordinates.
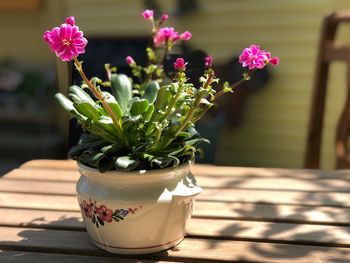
(165, 17)
(208, 61)
(147, 14)
(180, 64)
(186, 36)
(130, 61)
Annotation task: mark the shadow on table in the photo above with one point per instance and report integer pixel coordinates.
(287, 230)
(54, 240)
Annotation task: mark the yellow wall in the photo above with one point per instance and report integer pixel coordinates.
(274, 128)
(21, 33)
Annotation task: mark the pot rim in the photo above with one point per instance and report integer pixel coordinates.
(132, 176)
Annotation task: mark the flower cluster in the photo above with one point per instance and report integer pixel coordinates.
(144, 122)
(102, 214)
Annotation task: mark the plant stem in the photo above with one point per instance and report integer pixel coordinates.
(188, 117)
(100, 97)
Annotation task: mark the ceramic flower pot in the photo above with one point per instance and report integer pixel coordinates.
(136, 212)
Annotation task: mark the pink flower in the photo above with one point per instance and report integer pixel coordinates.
(70, 20)
(87, 208)
(104, 213)
(273, 61)
(208, 61)
(147, 14)
(66, 41)
(186, 36)
(180, 64)
(130, 61)
(165, 17)
(254, 57)
(165, 34)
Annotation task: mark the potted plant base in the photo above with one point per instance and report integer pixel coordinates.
(136, 191)
(136, 212)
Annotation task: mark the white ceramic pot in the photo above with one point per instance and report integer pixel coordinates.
(136, 212)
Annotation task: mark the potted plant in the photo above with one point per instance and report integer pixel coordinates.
(136, 190)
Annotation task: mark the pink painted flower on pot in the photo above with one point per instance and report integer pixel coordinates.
(87, 208)
(105, 214)
(66, 41)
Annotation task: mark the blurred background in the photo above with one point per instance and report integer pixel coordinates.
(262, 124)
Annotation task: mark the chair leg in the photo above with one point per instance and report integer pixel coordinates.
(314, 135)
(343, 131)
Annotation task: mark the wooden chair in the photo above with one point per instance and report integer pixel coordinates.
(329, 51)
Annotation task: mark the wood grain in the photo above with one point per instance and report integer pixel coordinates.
(214, 195)
(198, 227)
(243, 215)
(30, 257)
(211, 170)
(208, 209)
(35, 240)
(253, 178)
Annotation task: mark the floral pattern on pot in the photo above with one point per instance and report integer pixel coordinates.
(101, 214)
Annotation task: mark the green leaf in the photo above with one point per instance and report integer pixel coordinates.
(68, 105)
(122, 90)
(163, 98)
(77, 150)
(184, 135)
(139, 106)
(101, 161)
(165, 161)
(78, 92)
(150, 54)
(151, 91)
(110, 149)
(196, 141)
(113, 104)
(131, 121)
(126, 163)
(148, 114)
(87, 110)
(106, 124)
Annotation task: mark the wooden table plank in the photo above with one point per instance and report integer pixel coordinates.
(242, 211)
(50, 164)
(244, 214)
(212, 194)
(35, 240)
(30, 257)
(212, 170)
(257, 181)
(209, 228)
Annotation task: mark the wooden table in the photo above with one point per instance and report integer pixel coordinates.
(244, 215)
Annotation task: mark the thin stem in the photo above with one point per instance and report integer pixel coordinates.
(165, 53)
(100, 97)
(188, 117)
(245, 78)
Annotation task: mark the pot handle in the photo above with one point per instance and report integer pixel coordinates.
(189, 192)
(187, 189)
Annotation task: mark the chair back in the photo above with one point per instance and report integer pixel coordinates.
(328, 51)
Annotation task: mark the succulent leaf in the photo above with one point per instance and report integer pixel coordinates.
(122, 90)
(126, 163)
(151, 91)
(139, 107)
